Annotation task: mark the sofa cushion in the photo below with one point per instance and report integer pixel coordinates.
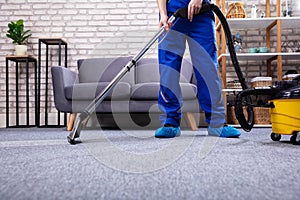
(149, 91)
(93, 70)
(88, 91)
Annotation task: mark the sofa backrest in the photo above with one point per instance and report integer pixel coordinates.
(103, 69)
(147, 70)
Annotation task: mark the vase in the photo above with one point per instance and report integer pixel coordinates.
(20, 50)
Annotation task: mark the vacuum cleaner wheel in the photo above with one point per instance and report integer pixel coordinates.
(295, 139)
(275, 137)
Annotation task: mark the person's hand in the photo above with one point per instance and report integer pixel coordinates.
(164, 22)
(194, 8)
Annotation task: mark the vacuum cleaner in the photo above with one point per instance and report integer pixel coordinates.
(284, 106)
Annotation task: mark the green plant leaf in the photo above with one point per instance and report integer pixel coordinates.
(20, 22)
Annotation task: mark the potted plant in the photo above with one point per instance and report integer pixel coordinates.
(19, 36)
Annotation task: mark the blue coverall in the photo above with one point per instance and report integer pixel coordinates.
(201, 39)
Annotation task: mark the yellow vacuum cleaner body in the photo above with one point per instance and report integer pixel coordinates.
(285, 116)
(284, 107)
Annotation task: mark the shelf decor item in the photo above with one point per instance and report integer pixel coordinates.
(253, 50)
(263, 50)
(19, 36)
(236, 10)
(237, 42)
(290, 46)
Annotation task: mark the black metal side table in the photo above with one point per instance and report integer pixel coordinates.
(49, 42)
(17, 60)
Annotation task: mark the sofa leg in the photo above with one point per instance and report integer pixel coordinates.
(190, 119)
(71, 121)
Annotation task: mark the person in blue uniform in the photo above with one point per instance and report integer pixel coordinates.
(199, 32)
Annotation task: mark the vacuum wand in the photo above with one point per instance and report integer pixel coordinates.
(106, 91)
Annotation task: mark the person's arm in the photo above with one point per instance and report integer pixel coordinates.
(162, 6)
(194, 8)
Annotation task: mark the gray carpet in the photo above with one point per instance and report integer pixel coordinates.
(38, 163)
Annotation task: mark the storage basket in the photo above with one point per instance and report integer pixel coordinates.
(231, 118)
(261, 82)
(233, 85)
(261, 115)
(236, 10)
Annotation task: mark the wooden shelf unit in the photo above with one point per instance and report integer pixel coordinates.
(268, 24)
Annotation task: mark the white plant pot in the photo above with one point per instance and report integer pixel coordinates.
(20, 50)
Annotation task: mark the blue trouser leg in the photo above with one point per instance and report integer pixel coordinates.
(205, 64)
(170, 58)
(200, 35)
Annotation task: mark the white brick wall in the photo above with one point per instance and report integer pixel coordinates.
(92, 28)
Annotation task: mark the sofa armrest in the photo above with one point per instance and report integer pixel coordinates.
(61, 78)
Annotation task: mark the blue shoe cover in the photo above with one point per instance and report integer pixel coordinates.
(226, 131)
(167, 132)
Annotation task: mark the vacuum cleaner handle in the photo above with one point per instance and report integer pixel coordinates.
(183, 12)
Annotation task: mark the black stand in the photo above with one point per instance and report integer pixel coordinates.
(17, 60)
(49, 42)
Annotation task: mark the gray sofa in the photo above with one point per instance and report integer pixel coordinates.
(135, 93)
